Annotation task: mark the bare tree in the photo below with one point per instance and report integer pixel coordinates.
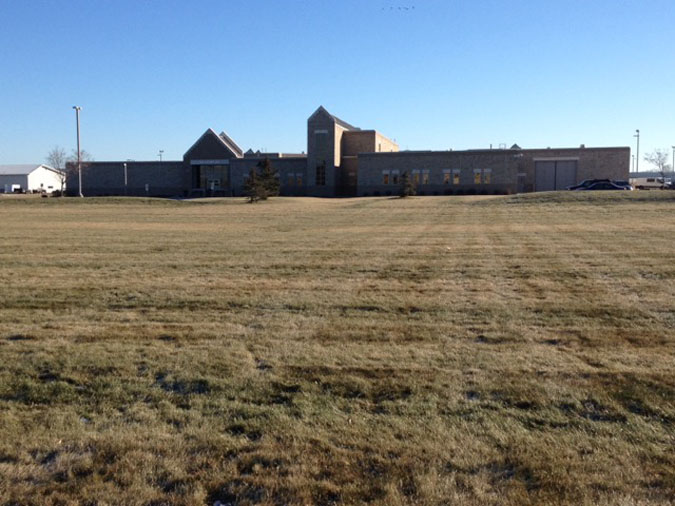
(659, 159)
(56, 158)
(71, 163)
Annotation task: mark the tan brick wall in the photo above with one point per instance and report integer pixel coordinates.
(355, 142)
(384, 144)
(592, 163)
(504, 165)
(366, 141)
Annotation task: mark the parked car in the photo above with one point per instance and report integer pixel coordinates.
(586, 182)
(603, 185)
(626, 185)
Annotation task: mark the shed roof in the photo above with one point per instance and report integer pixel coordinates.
(21, 169)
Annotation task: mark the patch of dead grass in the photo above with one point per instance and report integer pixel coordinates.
(464, 350)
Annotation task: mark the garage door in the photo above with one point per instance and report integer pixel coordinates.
(544, 176)
(555, 175)
(565, 174)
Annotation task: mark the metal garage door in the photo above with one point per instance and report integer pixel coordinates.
(544, 176)
(555, 175)
(565, 174)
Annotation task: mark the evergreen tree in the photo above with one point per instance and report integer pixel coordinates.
(407, 186)
(269, 179)
(262, 182)
(252, 186)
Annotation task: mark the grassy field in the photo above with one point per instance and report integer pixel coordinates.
(436, 350)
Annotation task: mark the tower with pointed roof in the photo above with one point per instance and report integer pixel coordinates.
(324, 153)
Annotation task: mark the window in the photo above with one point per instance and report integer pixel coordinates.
(446, 177)
(416, 177)
(394, 177)
(298, 179)
(321, 174)
(455, 176)
(291, 179)
(379, 146)
(385, 177)
(476, 176)
(425, 177)
(487, 176)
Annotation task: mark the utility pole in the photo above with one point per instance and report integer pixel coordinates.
(79, 161)
(637, 154)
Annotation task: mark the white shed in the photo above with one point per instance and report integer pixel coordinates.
(29, 177)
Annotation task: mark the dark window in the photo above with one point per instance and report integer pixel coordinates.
(321, 174)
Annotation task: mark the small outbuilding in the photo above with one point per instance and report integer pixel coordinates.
(29, 178)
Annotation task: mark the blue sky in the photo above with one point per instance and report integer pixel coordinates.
(432, 74)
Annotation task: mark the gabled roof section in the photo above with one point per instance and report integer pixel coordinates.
(343, 124)
(22, 169)
(229, 143)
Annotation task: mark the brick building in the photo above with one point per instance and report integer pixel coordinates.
(343, 160)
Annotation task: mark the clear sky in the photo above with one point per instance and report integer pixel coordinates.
(432, 74)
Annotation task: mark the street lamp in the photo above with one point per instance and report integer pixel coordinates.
(79, 164)
(637, 155)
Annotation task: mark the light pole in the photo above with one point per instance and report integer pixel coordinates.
(79, 164)
(161, 152)
(637, 154)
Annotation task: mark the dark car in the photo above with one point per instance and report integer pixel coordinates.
(586, 183)
(603, 185)
(625, 184)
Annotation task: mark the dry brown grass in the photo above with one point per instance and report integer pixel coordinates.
(506, 350)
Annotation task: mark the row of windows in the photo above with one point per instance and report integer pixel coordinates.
(480, 176)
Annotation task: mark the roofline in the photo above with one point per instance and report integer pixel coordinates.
(372, 130)
(222, 141)
(341, 123)
(229, 140)
(34, 165)
(481, 151)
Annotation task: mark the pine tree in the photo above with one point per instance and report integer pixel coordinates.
(262, 182)
(252, 186)
(407, 186)
(269, 179)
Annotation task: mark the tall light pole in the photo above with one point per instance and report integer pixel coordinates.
(79, 161)
(161, 152)
(637, 154)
